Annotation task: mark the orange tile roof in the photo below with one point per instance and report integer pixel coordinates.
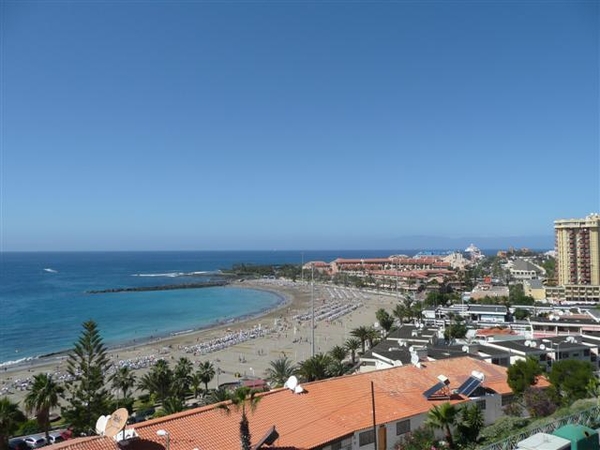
(328, 410)
(493, 331)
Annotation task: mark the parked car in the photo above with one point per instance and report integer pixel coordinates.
(55, 438)
(35, 442)
(17, 444)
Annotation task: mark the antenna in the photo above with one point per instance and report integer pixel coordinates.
(291, 383)
(116, 422)
(101, 425)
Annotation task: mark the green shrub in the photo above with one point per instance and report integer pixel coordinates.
(31, 426)
(503, 427)
(419, 439)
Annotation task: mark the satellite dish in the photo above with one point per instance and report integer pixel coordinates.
(411, 349)
(298, 389)
(101, 425)
(465, 348)
(527, 343)
(414, 359)
(542, 347)
(533, 344)
(291, 383)
(116, 422)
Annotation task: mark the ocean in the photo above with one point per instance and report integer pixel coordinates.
(43, 299)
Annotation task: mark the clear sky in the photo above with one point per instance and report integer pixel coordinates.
(295, 125)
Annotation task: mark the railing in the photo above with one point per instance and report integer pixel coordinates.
(586, 417)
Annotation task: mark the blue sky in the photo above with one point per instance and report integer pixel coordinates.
(296, 125)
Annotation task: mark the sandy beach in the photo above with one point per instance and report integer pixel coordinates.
(244, 347)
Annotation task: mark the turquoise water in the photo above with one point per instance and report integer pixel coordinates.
(43, 299)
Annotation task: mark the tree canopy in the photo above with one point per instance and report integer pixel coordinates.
(523, 374)
(10, 419)
(87, 366)
(570, 378)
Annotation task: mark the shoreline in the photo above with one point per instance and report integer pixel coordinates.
(242, 348)
(46, 358)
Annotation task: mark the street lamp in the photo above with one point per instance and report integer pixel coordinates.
(312, 301)
(165, 434)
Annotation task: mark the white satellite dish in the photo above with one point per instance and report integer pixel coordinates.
(291, 383)
(101, 425)
(414, 359)
(465, 348)
(411, 349)
(533, 344)
(116, 422)
(542, 347)
(527, 343)
(298, 389)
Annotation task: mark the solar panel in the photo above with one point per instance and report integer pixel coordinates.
(469, 386)
(432, 390)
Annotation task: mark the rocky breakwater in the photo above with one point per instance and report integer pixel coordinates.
(165, 287)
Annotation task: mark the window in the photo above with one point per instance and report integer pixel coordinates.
(586, 352)
(481, 404)
(366, 438)
(402, 427)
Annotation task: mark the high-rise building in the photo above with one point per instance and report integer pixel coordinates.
(578, 251)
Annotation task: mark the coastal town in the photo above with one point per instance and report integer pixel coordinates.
(441, 349)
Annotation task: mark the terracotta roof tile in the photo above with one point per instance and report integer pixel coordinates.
(329, 409)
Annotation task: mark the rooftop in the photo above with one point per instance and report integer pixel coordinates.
(328, 410)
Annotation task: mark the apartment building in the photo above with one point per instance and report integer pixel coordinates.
(578, 255)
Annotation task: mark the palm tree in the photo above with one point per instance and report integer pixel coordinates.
(195, 382)
(443, 417)
(335, 368)
(352, 345)
(472, 422)
(182, 376)
(219, 395)
(41, 398)
(172, 405)
(361, 333)
(279, 371)
(123, 380)
(159, 381)
(316, 367)
(338, 353)
(238, 399)
(207, 373)
(404, 311)
(400, 313)
(385, 319)
(372, 336)
(10, 419)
